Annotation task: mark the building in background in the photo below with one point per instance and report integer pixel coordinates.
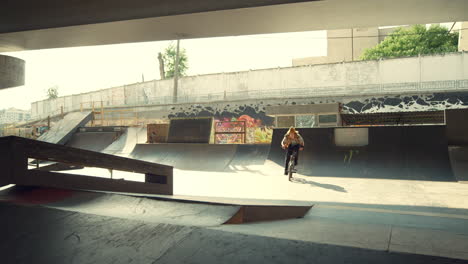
(13, 115)
(344, 45)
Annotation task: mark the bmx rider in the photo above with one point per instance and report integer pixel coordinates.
(292, 141)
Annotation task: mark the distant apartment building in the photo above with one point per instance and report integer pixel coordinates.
(344, 45)
(13, 115)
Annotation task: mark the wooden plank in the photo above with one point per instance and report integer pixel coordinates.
(75, 181)
(58, 153)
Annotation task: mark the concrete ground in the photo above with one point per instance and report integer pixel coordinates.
(353, 221)
(124, 233)
(268, 182)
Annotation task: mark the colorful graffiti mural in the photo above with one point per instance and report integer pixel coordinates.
(230, 132)
(255, 131)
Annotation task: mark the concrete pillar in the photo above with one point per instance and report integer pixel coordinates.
(11, 72)
(463, 37)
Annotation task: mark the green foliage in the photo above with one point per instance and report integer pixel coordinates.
(414, 41)
(169, 58)
(52, 92)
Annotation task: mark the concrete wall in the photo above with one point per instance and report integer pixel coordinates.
(426, 74)
(257, 108)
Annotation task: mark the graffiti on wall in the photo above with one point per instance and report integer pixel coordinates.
(399, 103)
(256, 132)
(230, 132)
(258, 125)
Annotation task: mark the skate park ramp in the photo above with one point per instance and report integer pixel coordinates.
(400, 152)
(64, 129)
(114, 143)
(125, 144)
(202, 157)
(151, 209)
(247, 155)
(94, 141)
(459, 161)
(148, 210)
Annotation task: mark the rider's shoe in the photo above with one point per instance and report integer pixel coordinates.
(285, 172)
(294, 170)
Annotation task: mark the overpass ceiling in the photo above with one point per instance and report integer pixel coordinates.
(32, 24)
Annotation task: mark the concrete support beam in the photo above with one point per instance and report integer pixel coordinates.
(15, 17)
(57, 24)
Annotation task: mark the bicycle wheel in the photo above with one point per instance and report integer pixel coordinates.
(290, 168)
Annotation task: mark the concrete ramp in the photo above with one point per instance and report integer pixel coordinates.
(151, 209)
(250, 155)
(112, 143)
(400, 152)
(64, 129)
(122, 206)
(187, 156)
(459, 161)
(94, 141)
(125, 144)
(202, 157)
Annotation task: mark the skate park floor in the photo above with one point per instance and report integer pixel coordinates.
(90, 227)
(267, 182)
(388, 216)
(353, 220)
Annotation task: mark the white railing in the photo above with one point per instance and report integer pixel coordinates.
(351, 90)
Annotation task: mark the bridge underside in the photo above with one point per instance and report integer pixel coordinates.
(58, 24)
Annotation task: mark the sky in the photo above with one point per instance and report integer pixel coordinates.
(84, 69)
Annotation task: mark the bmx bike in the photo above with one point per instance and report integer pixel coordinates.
(291, 164)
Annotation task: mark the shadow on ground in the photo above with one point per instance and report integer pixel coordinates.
(321, 185)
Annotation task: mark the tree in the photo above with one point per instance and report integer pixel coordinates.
(169, 58)
(414, 41)
(52, 92)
